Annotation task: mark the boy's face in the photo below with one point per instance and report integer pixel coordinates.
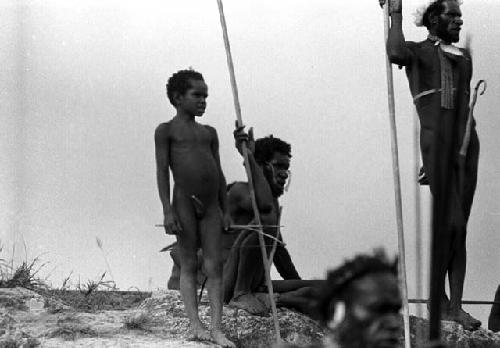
(194, 101)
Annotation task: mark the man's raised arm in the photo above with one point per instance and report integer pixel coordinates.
(397, 50)
(263, 194)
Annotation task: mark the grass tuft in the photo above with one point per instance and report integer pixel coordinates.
(137, 321)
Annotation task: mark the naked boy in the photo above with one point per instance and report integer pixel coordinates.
(439, 75)
(198, 210)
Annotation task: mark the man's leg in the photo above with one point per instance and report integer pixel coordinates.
(230, 268)
(249, 276)
(494, 318)
(187, 247)
(211, 242)
(458, 263)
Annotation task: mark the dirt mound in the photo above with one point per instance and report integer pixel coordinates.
(30, 320)
(47, 319)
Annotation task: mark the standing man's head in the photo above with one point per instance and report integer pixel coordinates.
(360, 303)
(443, 19)
(187, 92)
(274, 155)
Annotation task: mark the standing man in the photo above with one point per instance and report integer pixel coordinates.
(439, 75)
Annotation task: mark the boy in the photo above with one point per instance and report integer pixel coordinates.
(198, 210)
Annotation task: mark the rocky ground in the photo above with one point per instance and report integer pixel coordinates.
(31, 319)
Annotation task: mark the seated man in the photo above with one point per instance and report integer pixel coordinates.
(244, 276)
(359, 304)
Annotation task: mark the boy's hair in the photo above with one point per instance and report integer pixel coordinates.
(338, 283)
(179, 82)
(266, 147)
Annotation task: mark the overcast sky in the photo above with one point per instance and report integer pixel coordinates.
(83, 89)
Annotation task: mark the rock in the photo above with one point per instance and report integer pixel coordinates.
(453, 335)
(159, 321)
(245, 330)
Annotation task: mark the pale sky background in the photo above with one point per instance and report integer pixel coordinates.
(83, 88)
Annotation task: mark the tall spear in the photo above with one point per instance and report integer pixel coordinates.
(397, 185)
(239, 123)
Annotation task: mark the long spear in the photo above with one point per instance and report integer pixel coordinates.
(397, 184)
(239, 123)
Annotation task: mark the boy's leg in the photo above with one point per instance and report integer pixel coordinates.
(211, 236)
(187, 246)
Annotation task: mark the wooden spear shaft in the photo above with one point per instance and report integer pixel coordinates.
(418, 211)
(275, 241)
(397, 186)
(248, 170)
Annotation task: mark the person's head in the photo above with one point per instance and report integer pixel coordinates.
(187, 91)
(274, 155)
(443, 18)
(360, 302)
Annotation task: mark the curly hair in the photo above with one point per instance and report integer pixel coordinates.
(434, 8)
(179, 82)
(338, 283)
(267, 146)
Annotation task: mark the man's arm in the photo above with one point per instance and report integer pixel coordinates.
(283, 263)
(397, 50)
(263, 194)
(162, 153)
(222, 179)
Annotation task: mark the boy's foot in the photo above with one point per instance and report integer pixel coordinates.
(249, 303)
(465, 319)
(219, 338)
(200, 333)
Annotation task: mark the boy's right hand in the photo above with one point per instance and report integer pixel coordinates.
(395, 6)
(172, 224)
(240, 138)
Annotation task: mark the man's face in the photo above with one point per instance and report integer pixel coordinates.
(373, 313)
(449, 22)
(194, 101)
(278, 172)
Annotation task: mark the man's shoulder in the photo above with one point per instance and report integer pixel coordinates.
(419, 45)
